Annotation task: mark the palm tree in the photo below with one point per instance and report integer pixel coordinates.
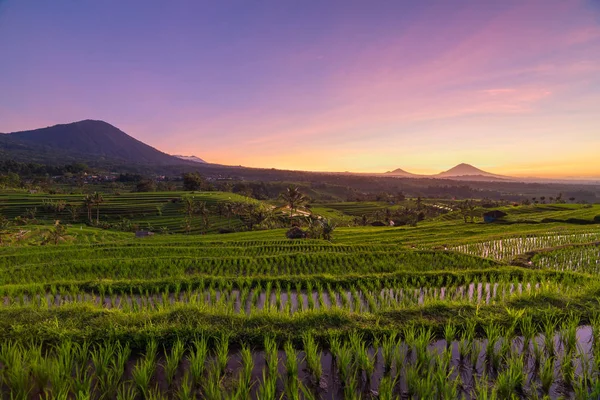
(293, 198)
(467, 209)
(328, 228)
(59, 206)
(73, 211)
(204, 213)
(88, 202)
(189, 206)
(97, 199)
(229, 211)
(261, 215)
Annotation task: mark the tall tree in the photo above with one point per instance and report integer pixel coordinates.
(204, 213)
(88, 202)
(193, 181)
(293, 198)
(191, 208)
(188, 206)
(59, 207)
(97, 199)
(467, 210)
(73, 211)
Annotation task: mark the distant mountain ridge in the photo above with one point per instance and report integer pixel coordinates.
(460, 171)
(400, 172)
(99, 143)
(87, 140)
(466, 170)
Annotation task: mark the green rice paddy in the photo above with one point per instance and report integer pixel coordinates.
(443, 310)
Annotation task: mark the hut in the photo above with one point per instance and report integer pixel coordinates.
(493, 216)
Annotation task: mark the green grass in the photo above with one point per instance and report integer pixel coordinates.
(198, 300)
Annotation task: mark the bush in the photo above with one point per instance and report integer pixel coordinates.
(378, 223)
(295, 233)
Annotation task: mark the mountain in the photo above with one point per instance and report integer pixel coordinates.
(88, 141)
(190, 158)
(467, 170)
(400, 172)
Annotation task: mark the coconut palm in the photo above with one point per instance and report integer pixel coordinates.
(293, 198)
(229, 211)
(328, 228)
(59, 206)
(73, 211)
(189, 206)
(88, 203)
(204, 213)
(97, 199)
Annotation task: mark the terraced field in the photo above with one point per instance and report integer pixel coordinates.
(434, 311)
(153, 211)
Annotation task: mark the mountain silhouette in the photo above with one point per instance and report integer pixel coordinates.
(87, 140)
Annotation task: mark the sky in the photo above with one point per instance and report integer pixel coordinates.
(510, 86)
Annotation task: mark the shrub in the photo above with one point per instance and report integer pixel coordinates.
(295, 233)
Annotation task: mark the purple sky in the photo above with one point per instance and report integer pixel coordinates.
(510, 86)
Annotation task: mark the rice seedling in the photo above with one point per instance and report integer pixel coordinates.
(493, 334)
(569, 335)
(144, 369)
(389, 345)
(449, 333)
(267, 389)
(312, 356)
(197, 359)
(16, 376)
(172, 360)
(271, 356)
(363, 360)
(546, 374)
(55, 394)
(549, 332)
(446, 387)
(245, 378)
(291, 382)
(512, 380)
(386, 388)
(345, 363)
(82, 382)
(425, 388)
(222, 353)
(482, 390)
(185, 390)
(211, 387)
(567, 369)
(156, 394)
(82, 395)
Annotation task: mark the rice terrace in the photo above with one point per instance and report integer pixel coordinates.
(298, 200)
(443, 309)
